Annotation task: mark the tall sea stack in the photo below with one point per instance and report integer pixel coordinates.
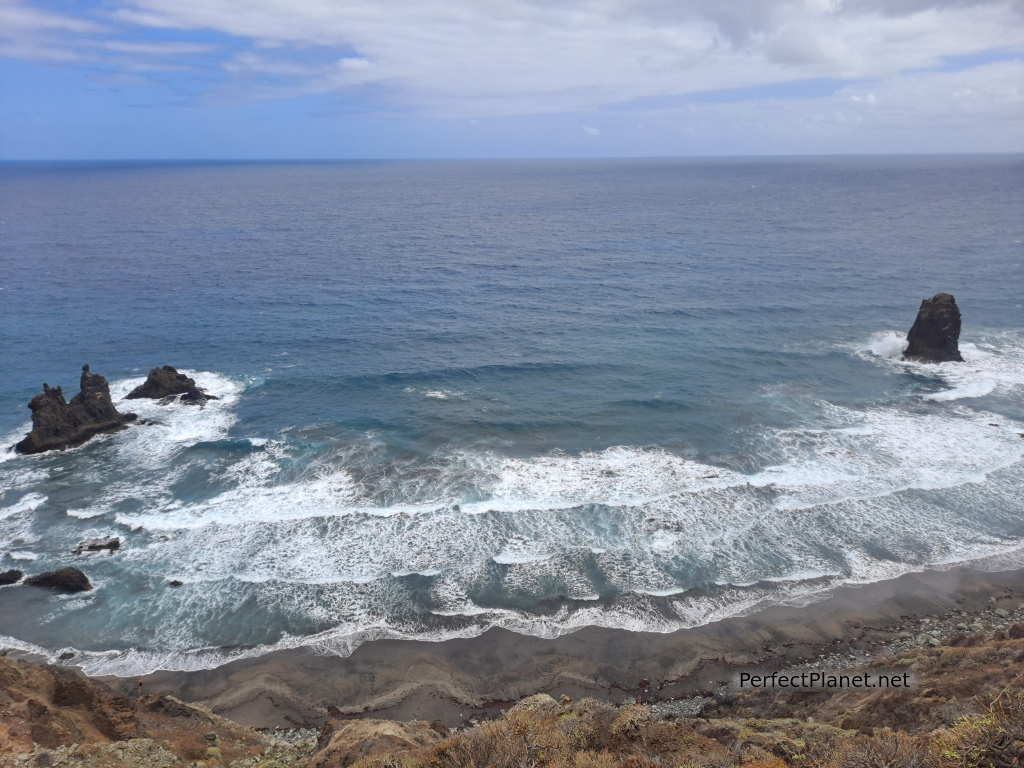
(59, 424)
(933, 337)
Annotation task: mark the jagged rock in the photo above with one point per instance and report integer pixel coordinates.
(933, 337)
(64, 579)
(98, 545)
(165, 384)
(12, 576)
(57, 424)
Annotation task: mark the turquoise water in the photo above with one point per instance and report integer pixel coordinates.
(540, 395)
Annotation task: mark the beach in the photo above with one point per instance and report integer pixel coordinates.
(455, 681)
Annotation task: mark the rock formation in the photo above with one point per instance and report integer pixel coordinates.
(64, 579)
(98, 545)
(54, 716)
(10, 577)
(59, 424)
(166, 383)
(934, 335)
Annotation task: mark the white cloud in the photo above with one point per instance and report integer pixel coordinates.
(487, 57)
(17, 19)
(471, 59)
(591, 130)
(980, 109)
(156, 47)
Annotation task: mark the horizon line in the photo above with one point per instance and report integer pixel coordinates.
(14, 161)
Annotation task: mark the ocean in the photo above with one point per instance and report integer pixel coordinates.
(540, 395)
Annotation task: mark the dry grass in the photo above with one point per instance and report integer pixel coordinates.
(992, 739)
(939, 724)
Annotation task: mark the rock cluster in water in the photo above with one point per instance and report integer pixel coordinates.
(933, 337)
(64, 579)
(165, 384)
(58, 424)
(109, 544)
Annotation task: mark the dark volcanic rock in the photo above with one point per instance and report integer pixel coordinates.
(10, 577)
(64, 579)
(98, 545)
(934, 335)
(164, 384)
(59, 424)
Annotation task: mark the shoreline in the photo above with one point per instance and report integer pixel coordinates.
(458, 680)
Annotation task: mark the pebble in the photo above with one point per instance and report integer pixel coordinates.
(1002, 614)
(681, 707)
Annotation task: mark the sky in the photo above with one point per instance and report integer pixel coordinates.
(298, 79)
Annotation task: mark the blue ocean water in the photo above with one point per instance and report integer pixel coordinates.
(540, 395)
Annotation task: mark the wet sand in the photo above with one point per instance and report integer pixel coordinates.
(455, 680)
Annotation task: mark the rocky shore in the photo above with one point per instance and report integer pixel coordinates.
(965, 710)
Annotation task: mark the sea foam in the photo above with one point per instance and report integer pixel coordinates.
(354, 549)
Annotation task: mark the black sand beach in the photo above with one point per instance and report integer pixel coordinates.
(462, 679)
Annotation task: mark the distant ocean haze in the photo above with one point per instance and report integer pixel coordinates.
(537, 395)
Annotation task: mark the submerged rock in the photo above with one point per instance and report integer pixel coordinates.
(57, 424)
(64, 579)
(933, 337)
(165, 384)
(10, 577)
(98, 545)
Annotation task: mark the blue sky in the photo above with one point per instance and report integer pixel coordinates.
(211, 79)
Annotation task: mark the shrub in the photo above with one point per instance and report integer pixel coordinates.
(993, 739)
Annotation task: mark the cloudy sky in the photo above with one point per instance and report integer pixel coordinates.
(508, 78)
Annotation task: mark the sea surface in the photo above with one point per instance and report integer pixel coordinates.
(540, 395)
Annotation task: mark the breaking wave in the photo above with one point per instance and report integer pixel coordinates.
(279, 544)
